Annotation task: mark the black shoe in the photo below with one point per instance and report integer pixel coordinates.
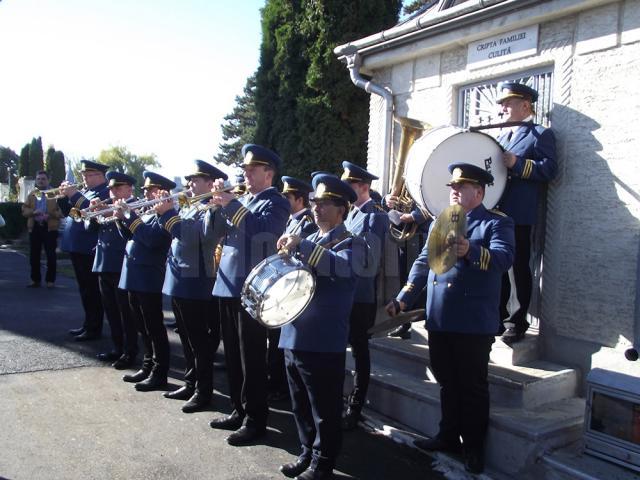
(230, 422)
(436, 444)
(87, 336)
(511, 335)
(111, 356)
(246, 436)
(196, 403)
(294, 469)
(76, 331)
(474, 461)
(155, 381)
(403, 331)
(139, 376)
(125, 361)
(183, 393)
(315, 474)
(350, 419)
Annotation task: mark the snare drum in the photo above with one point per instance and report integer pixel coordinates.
(426, 173)
(278, 290)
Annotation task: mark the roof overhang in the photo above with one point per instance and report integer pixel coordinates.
(456, 26)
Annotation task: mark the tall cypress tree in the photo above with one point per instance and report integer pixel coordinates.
(307, 108)
(23, 164)
(36, 157)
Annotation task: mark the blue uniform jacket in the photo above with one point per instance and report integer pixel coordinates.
(144, 265)
(324, 325)
(465, 299)
(252, 225)
(190, 264)
(302, 224)
(372, 224)
(535, 150)
(110, 247)
(76, 238)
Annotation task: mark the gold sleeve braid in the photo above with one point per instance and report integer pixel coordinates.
(239, 216)
(528, 169)
(485, 258)
(172, 222)
(134, 225)
(315, 256)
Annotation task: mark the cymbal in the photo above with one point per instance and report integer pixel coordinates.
(450, 224)
(380, 329)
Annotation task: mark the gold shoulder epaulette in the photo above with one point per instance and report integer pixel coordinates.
(498, 212)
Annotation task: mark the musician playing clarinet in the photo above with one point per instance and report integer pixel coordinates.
(462, 315)
(530, 158)
(314, 344)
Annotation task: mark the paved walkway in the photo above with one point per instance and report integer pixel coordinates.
(64, 415)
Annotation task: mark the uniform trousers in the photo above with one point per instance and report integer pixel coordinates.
(245, 350)
(40, 237)
(199, 330)
(361, 319)
(523, 281)
(124, 334)
(147, 311)
(460, 364)
(277, 378)
(89, 291)
(316, 381)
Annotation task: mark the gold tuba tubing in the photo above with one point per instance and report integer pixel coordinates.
(411, 130)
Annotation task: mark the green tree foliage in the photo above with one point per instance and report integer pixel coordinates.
(121, 159)
(36, 157)
(307, 108)
(415, 5)
(240, 126)
(9, 167)
(54, 164)
(23, 163)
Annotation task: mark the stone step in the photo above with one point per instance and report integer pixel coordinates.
(526, 386)
(516, 438)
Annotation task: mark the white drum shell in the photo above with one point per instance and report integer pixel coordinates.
(426, 171)
(278, 290)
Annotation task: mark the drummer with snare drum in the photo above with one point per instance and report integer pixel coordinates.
(462, 313)
(315, 342)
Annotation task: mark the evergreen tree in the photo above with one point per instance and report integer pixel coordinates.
(307, 108)
(36, 157)
(23, 164)
(416, 5)
(9, 161)
(240, 126)
(56, 168)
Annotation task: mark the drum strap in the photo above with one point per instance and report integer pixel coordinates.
(346, 234)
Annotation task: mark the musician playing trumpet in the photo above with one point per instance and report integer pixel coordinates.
(189, 280)
(143, 272)
(80, 243)
(315, 342)
(462, 314)
(110, 250)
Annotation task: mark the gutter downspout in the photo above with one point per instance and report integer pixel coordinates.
(354, 62)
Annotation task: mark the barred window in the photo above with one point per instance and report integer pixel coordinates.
(477, 102)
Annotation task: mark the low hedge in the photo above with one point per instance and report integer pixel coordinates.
(16, 224)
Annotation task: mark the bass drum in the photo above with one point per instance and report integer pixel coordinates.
(426, 172)
(278, 290)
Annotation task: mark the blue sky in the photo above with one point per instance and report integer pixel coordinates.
(156, 76)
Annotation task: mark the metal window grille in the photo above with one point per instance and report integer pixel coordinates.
(478, 101)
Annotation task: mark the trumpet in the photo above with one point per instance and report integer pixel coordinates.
(181, 197)
(80, 214)
(54, 193)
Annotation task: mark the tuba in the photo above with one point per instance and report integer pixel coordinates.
(411, 130)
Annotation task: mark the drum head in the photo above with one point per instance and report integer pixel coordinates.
(286, 298)
(427, 173)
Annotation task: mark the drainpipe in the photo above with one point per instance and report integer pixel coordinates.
(353, 64)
